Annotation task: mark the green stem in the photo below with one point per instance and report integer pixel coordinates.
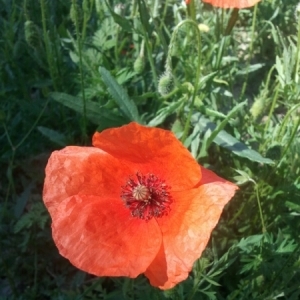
(198, 70)
(150, 58)
(297, 53)
(260, 209)
(250, 52)
(270, 113)
(79, 46)
(192, 10)
(290, 141)
(33, 125)
(164, 14)
(47, 44)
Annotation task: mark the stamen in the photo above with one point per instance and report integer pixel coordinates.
(146, 196)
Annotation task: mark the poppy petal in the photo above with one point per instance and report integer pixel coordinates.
(153, 150)
(232, 3)
(83, 171)
(102, 238)
(186, 230)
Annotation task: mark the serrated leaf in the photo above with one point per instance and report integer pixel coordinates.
(119, 94)
(227, 141)
(96, 113)
(247, 244)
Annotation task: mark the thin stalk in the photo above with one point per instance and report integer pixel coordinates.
(250, 51)
(86, 17)
(271, 112)
(197, 79)
(164, 14)
(260, 209)
(150, 58)
(79, 45)
(297, 53)
(133, 9)
(290, 141)
(192, 10)
(33, 125)
(47, 44)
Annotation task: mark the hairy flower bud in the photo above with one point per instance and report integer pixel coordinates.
(164, 83)
(31, 34)
(257, 107)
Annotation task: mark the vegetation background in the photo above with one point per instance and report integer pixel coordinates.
(69, 68)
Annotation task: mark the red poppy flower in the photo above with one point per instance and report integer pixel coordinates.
(232, 3)
(137, 202)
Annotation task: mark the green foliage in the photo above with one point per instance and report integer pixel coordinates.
(69, 68)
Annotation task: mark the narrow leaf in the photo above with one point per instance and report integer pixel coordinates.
(96, 113)
(227, 141)
(118, 93)
(164, 113)
(53, 136)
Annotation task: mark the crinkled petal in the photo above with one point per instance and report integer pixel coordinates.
(152, 150)
(187, 229)
(232, 3)
(83, 171)
(100, 237)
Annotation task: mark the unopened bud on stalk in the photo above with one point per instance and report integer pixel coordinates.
(164, 83)
(31, 32)
(85, 6)
(74, 10)
(257, 107)
(139, 64)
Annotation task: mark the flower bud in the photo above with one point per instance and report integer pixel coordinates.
(139, 64)
(31, 34)
(257, 107)
(203, 27)
(164, 83)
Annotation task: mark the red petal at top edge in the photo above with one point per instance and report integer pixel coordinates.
(151, 150)
(232, 3)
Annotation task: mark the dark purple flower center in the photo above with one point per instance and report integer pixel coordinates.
(146, 196)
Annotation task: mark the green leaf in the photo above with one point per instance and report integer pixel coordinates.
(227, 141)
(125, 24)
(118, 93)
(96, 113)
(250, 69)
(144, 16)
(22, 201)
(223, 123)
(53, 136)
(293, 206)
(165, 112)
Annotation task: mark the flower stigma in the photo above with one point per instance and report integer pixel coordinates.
(146, 196)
